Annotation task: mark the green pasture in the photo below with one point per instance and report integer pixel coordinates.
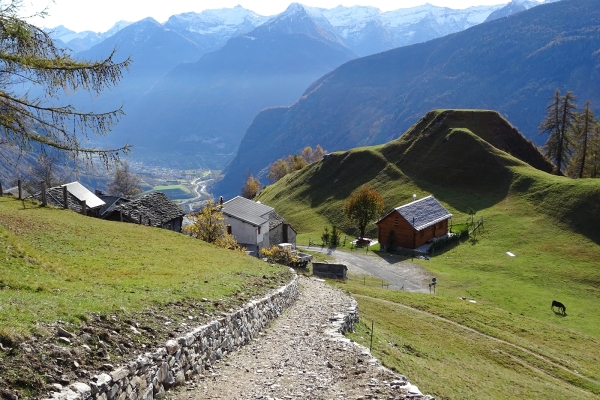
(58, 265)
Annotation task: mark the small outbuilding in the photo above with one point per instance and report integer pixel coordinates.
(413, 224)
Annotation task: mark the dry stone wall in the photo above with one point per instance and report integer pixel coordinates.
(148, 376)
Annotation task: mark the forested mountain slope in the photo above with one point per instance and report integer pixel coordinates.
(512, 65)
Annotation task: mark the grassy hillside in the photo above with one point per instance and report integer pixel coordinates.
(509, 342)
(56, 264)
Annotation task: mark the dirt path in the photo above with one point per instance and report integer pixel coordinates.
(300, 357)
(402, 275)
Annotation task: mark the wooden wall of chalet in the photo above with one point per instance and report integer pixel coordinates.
(406, 235)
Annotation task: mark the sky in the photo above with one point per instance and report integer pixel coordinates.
(101, 15)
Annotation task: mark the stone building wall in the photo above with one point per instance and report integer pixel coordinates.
(148, 376)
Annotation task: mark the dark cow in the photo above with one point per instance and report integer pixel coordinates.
(561, 307)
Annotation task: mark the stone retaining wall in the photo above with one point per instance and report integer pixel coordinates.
(151, 374)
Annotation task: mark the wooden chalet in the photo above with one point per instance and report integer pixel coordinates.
(413, 224)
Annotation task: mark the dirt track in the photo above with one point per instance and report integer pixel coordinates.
(401, 274)
(298, 357)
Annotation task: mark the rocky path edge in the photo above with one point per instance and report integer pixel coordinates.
(303, 354)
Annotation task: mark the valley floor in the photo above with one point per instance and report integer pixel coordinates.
(297, 358)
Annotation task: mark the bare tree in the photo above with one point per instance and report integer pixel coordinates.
(125, 183)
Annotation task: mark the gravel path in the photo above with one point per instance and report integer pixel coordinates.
(402, 275)
(300, 357)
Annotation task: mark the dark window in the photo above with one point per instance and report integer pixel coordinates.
(229, 229)
(259, 230)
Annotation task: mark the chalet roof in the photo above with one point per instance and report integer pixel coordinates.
(156, 209)
(76, 193)
(422, 213)
(247, 210)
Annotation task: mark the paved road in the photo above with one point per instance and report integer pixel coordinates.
(402, 275)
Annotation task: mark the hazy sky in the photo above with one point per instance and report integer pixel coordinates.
(100, 15)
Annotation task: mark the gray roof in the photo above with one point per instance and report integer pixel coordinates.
(247, 210)
(275, 220)
(76, 193)
(423, 213)
(156, 209)
(110, 203)
(82, 193)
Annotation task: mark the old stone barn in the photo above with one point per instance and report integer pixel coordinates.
(413, 224)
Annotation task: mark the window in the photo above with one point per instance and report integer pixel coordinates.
(259, 230)
(229, 229)
(396, 221)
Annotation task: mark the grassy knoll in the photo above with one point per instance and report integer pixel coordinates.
(56, 264)
(509, 343)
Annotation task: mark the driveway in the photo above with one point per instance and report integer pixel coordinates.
(401, 274)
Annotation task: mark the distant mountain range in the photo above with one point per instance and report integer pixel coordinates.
(364, 29)
(512, 65)
(201, 110)
(199, 79)
(243, 63)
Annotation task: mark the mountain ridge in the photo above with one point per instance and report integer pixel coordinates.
(375, 99)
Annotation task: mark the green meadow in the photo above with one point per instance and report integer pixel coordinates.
(58, 265)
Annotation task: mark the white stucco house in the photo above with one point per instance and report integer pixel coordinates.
(255, 225)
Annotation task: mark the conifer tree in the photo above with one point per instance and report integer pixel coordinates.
(29, 57)
(583, 131)
(558, 123)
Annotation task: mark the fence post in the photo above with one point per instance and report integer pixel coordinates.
(20, 189)
(65, 198)
(1, 192)
(372, 326)
(44, 200)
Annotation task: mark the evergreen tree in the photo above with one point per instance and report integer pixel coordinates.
(334, 240)
(558, 123)
(325, 236)
(29, 57)
(583, 131)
